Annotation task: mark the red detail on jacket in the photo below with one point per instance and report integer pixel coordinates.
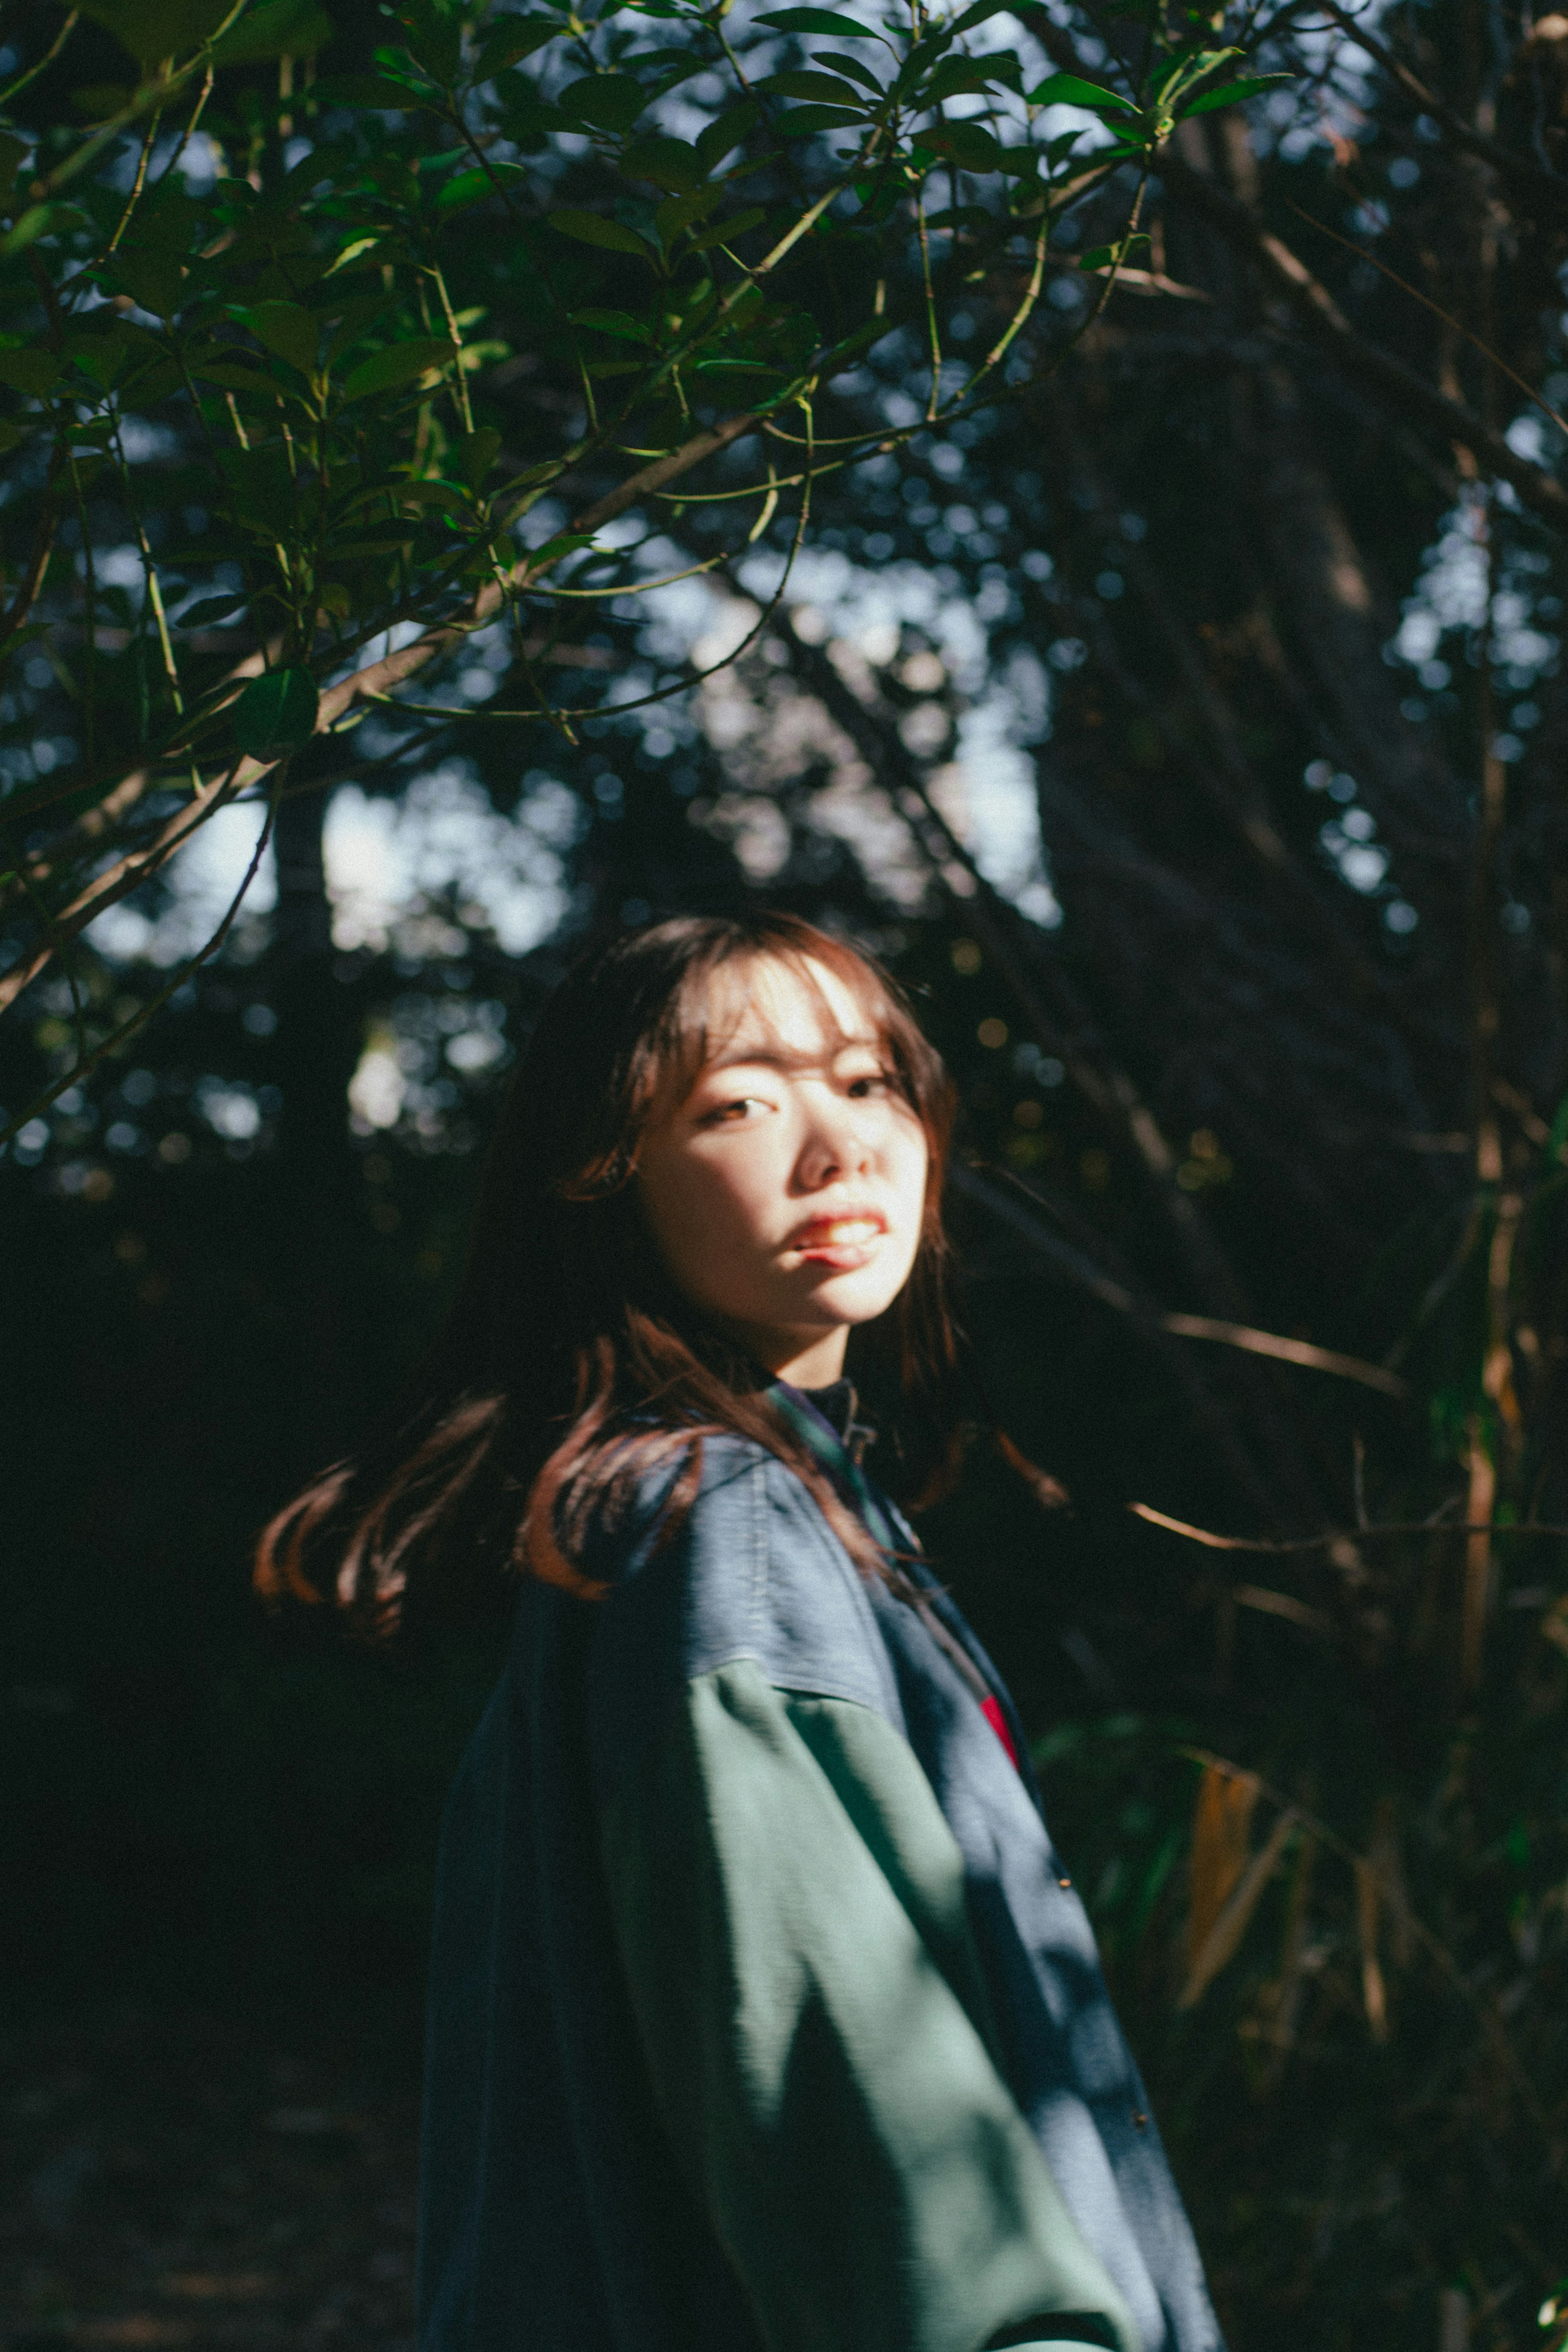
(991, 1709)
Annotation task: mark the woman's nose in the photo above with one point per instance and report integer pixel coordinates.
(835, 1145)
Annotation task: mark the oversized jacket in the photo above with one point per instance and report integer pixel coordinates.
(763, 2014)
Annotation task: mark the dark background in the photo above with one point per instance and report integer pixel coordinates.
(1233, 1083)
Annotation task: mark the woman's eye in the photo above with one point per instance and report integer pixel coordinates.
(874, 1082)
(732, 1114)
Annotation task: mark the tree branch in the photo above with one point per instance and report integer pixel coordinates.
(1290, 279)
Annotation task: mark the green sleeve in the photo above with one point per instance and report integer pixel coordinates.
(790, 1903)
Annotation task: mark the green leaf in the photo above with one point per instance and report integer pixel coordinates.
(260, 486)
(434, 38)
(151, 29)
(358, 254)
(739, 367)
(155, 281)
(956, 78)
(399, 365)
(722, 231)
(444, 495)
(353, 320)
(721, 137)
(1101, 256)
(1559, 1134)
(514, 39)
(276, 713)
(99, 99)
(555, 548)
(970, 145)
(613, 322)
(14, 151)
(230, 377)
(678, 213)
(978, 15)
(473, 456)
(854, 68)
(374, 89)
(101, 356)
(803, 119)
(275, 28)
(592, 228)
(210, 609)
(814, 20)
(285, 329)
(1233, 92)
(608, 101)
(386, 542)
(33, 372)
(1068, 89)
(472, 187)
(830, 89)
(670, 164)
(42, 220)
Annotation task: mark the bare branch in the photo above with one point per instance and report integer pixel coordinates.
(1315, 307)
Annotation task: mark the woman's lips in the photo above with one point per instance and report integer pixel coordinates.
(843, 1242)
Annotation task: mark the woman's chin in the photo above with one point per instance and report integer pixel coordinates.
(851, 1294)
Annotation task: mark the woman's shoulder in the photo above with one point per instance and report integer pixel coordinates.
(750, 1570)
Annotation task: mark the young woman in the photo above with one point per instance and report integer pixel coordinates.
(763, 2015)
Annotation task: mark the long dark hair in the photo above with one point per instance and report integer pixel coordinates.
(569, 1365)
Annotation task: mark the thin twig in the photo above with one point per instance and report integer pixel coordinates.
(1212, 1543)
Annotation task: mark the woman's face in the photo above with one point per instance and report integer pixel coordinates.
(785, 1193)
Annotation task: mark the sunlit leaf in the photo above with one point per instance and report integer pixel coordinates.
(357, 253)
(276, 713)
(472, 187)
(42, 220)
(389, 369)
(1233, 92)
(1101, 256)
(1068, 89)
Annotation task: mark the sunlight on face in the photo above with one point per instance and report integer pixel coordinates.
(785, 1192)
